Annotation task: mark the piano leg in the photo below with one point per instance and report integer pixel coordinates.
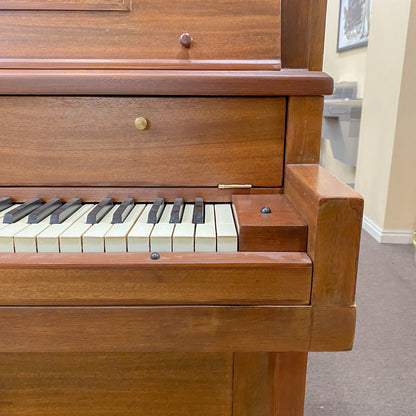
(269, 384)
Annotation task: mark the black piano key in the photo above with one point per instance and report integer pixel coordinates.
(5, 202)
(156, 211)
(65, 211)
(177, 211)
(199, 211)
(123, 211)
(99, 211)
(44, 210)
(21, 211)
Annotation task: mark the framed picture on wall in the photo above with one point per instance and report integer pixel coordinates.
(354, 24)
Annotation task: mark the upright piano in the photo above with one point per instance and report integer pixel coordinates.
(169, 243)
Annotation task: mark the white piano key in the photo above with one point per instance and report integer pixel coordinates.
(8, 232)
(223, 214)
(138, 239)
(25, 240)
(48, 240)
(184, 233)
(227, 239)
(205, 235)
(70, 241)
(93, 238)
(161, 237)
(116, 238)
(2, 225)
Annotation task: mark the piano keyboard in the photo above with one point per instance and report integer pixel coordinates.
(74, 227)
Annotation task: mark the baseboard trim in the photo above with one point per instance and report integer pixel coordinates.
(385, 235)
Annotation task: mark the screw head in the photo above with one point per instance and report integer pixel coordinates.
(186, 40)
(155, 256)
(265, 210)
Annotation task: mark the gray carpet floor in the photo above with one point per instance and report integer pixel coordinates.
(378, 377)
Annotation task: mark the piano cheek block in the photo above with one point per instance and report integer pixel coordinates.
(281, 229)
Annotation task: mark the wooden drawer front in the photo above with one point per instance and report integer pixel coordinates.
(135, 279)
(221, 30)
(90, 141)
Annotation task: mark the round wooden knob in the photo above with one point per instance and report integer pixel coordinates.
(141, 123)
(186, 40)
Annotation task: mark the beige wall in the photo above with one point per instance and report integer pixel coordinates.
(344, 66)
(385, 145)
(401, 197)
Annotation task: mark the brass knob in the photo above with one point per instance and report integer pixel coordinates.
(186, 40)
(141, 123)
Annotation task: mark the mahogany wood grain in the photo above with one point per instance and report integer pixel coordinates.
(189, 64)
(147, 194)
(333, 212)
(289, 377)
(333, 326)
(163, 82)
(303, 132)
(317, 34)
(252, 384)
(114, 384)
(269, 384)
(92, 5)
(135, 279)
(281, 230)
(295, 33)
(154, 328)
(175, 328)
(222, 29)
(302, 33)
(92, 141)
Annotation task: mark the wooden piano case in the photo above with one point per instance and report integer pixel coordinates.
(191, 333)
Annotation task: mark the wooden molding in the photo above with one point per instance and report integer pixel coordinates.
(176, 328)
(66, 5)
(163, 82)
(188, 64)
(146, 194)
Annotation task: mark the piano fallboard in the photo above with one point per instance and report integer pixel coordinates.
(182, 141)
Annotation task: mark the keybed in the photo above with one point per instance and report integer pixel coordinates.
(124, 227)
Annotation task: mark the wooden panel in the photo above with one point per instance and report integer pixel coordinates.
(317, 34)
(289, 376)
(155, 64)
(333, 212)
(281, 230)
(166, 82)
(221, 29)
(70, 384)
(135, 279)
(333, 326)
(304, 125)
(110, 5)
(303, 29)
(90, 141)
(252, 387)
(269, 384)
(295, 33)
(173, 328)
(96, 194)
